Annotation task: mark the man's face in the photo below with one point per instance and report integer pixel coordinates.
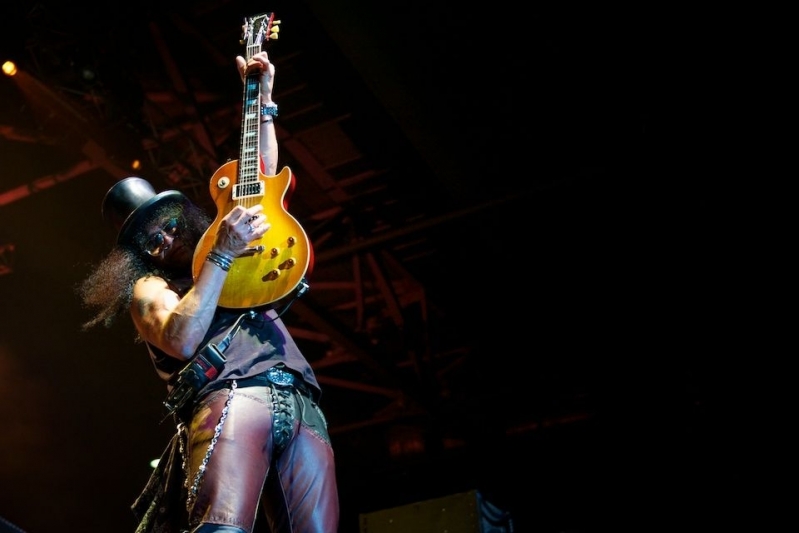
(165, 244)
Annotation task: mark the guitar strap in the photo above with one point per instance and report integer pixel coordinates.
(234, 328)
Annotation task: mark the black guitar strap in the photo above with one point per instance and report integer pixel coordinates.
(234, 328)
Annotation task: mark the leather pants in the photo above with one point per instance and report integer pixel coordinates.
(273, 450)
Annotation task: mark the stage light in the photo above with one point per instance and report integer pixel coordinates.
(135, 164)
(9, 68)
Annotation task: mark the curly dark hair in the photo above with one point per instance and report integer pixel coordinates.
(108, 288)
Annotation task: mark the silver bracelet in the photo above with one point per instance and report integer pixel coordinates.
(221, 260)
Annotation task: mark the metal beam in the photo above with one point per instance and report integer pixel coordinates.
(6, 256)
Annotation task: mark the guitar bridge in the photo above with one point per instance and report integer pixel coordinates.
(248, 190)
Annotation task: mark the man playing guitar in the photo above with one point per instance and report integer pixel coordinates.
(252, 434)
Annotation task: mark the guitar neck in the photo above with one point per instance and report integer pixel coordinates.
(257, 31)
(249, 156)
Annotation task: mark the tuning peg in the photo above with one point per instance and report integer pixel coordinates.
(275, 30)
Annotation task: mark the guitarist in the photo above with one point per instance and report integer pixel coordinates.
(250, 432)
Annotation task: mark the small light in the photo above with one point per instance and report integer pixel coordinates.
(9, 68)
(135, 164)
(88, 74)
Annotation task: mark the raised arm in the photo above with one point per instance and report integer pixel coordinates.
(267, 137)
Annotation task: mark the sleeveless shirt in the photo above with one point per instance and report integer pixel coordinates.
(260, 343)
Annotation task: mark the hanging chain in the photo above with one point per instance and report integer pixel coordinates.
(198, 477)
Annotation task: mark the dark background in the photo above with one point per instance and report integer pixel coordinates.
(612, 381)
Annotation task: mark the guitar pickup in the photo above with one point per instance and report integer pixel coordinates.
(249, 190)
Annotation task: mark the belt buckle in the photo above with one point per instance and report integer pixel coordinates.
(280, 377)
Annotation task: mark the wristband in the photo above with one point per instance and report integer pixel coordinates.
(269, 109)
(221, 260)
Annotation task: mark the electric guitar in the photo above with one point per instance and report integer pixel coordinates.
(279, 260)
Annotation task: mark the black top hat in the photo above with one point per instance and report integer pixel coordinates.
(130, 201)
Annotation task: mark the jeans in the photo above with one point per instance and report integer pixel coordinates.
(273, 450)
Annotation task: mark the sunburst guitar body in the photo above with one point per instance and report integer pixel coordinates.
(279, 261)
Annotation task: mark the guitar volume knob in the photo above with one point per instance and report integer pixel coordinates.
(272, 275)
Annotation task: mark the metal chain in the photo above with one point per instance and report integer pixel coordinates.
(198, 477)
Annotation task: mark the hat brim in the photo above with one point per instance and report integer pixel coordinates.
(141, 213)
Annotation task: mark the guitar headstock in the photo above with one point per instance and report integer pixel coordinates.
(258, 29)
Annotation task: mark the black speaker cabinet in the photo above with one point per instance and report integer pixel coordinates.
(466, 512)
(8, 527)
